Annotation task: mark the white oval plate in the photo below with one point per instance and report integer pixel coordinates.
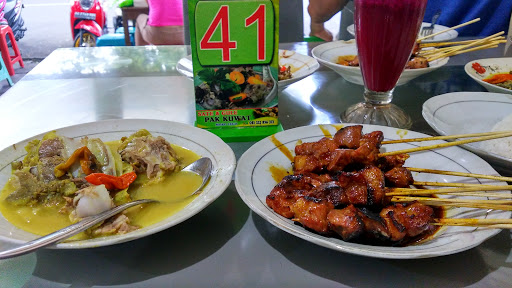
(492, 66)
(448, 35)
(197, 140)
(469, 112)
(301, 66)
(254, 182)
(328, 53)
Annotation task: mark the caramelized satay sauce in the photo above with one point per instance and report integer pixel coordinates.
(282, 147)
(325, 131)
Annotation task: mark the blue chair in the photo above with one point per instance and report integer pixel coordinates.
(111, 39)
(4, 73)
(131, 30)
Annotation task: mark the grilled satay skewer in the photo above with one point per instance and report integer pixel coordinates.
(456, 136)
(462, 174)
(475, 222)
(447, 144)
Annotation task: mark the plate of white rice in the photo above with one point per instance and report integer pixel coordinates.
(502, 146)
(475, 112)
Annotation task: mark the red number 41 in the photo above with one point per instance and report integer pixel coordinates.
(225, 44)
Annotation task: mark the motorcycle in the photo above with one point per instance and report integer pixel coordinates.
(11, 15)
(88, 22)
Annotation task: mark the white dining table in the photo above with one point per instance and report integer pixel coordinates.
(226, 244)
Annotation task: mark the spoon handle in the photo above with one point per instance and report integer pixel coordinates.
(68, 231)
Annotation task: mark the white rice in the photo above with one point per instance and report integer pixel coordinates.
(501, 146)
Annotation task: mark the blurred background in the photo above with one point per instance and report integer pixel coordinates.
(48, 27)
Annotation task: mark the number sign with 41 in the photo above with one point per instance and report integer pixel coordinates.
(234, 32)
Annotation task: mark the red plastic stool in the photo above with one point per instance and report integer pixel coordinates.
(9, 59)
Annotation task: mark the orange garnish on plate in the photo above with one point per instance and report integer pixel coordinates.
(498, 78)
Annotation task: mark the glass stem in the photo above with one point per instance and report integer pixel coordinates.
(378, 98)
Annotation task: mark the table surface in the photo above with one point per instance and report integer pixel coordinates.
(225, 245)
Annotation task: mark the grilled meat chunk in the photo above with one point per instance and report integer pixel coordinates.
(288, 191)
(387, 163)
(399, 177)
(348, 147)
(346, 222)
(365, 187)
(349, 137)
(396, 222)
(407, 219)
(374, 179)
(352, 223)
(417, 62)
(312, 214)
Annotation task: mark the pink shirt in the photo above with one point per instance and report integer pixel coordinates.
(165, 13)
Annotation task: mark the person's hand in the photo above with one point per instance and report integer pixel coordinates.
(318, 30)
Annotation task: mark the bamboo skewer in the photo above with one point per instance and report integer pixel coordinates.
(459, 51)
(449, 29)
(447, 144)
(444, 137)
(488, 226)
(451, 51)
(462, 174)
(439, 44)
(486, 223)
(478, 41)
(412, 191)
(483, 194)
(476, 221)
(468, 203)
(472, 194)
(450, 47)
(444, 184)
(459, 47)
(508, 203)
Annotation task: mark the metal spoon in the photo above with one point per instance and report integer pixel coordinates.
(202, 167)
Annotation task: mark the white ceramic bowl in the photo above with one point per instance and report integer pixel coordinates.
(301, 66)
(197, 140)
(254, 181)
(492, 66)
(470, 112)
(327, 54)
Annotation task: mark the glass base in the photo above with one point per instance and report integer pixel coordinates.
(385, 115)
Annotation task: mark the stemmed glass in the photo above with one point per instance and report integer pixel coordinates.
(386, 32)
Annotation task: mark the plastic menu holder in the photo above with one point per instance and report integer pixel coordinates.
(235, 64)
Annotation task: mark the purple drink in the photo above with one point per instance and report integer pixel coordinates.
(386, 31)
